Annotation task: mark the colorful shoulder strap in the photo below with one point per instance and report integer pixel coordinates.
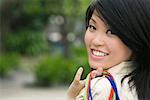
(113, 92)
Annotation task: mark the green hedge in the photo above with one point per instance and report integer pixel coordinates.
(8, 62)
(26, 41)
(59, 70)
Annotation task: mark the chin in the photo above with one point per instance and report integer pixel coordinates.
(94, 66)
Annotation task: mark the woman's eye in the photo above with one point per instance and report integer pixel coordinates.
(109, 32)
(92, 27)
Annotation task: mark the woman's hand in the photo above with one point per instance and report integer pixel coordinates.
(77, 85)
(97, 72)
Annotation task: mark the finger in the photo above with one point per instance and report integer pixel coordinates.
(93, 74)
(99, 71)
(74, 90)
(78, 74)
(83, 82)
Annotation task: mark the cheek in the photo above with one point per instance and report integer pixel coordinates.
(87, 38)
(120, 49)
(115, 44)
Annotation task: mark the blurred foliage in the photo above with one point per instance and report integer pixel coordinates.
(19, 15)
(59, 70)
(8, 62)
(26, 42)
(23, 24)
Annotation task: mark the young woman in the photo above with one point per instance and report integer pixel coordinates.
(118, 41)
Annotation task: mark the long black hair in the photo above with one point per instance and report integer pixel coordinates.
(130, 21)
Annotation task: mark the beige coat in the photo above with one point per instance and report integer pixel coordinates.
(100, 86)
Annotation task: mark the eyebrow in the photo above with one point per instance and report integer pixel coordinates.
(92, 19)
(104, 21)
(100, 16)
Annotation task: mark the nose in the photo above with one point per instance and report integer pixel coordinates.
(98, 40)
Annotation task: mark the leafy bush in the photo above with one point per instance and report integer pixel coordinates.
(8, 62)
(53, 71)
(80, 57)
(59, 70)
(26, 42)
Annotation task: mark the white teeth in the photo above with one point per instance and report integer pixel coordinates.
(97, 53)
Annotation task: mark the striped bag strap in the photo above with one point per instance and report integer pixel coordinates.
(113, 92)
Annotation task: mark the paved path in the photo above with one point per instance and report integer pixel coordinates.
(33, 94)
(13, 89)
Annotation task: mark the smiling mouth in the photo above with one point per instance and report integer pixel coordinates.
(98, 53)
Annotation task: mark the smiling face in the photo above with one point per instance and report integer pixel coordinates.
(104, 49)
